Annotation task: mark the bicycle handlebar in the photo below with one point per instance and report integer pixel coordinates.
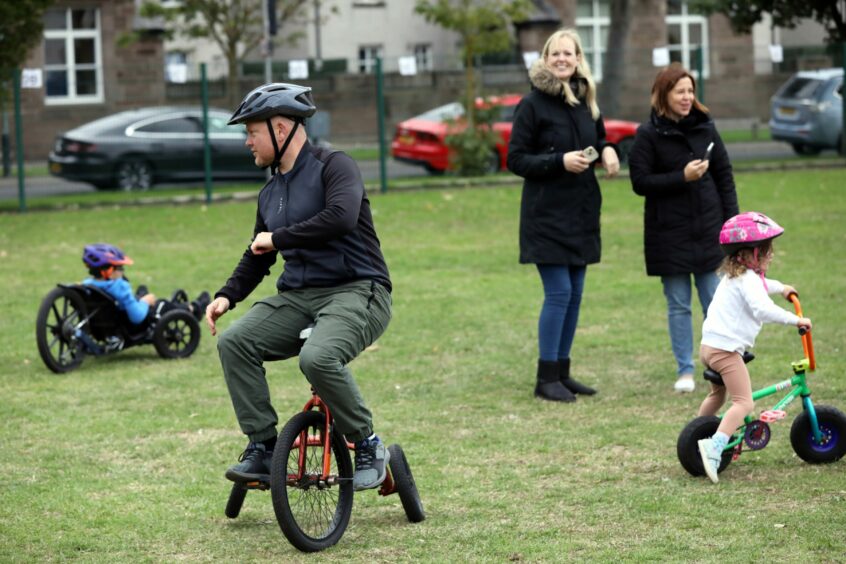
(807, 342)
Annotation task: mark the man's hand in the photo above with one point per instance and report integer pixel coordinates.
(214, 310)
(263, 243)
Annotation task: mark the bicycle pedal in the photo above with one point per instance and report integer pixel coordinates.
(772, 415)
(257, 485)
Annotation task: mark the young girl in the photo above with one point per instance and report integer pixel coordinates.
(741, 305)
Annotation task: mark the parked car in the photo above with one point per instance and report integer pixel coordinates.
(807, 111)
(421, 140)
(134, 149)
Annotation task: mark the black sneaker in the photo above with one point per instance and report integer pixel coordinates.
(179, 297)
(371, 463)
(141, 291)
(199, 305)
(253, 465)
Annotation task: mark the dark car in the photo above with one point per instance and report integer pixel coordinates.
(135, 149)
(807, 111)
(421, 140)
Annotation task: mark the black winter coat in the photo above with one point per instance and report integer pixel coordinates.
(681, 220)
(559, 211)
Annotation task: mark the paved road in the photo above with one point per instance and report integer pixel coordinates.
(49, 185)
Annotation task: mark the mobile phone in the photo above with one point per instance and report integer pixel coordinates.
(590, 154)
(708, 152)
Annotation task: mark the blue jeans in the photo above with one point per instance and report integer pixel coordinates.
(562, 298)
(677, 290)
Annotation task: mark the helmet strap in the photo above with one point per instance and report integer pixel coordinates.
(274, 166)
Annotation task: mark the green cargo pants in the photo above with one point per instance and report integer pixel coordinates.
(347, 319)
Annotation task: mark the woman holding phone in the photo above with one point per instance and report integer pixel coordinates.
(679, 164)
(558, 134)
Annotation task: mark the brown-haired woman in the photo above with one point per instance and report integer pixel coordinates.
(679, 164)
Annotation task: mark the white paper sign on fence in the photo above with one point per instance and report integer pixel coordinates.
(776, 53)
(660, 57)
(407, 66)
(298, 69)
(31, 78)
(530, 57)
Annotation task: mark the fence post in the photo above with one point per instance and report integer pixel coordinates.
(16, 82)
(843, 125)
(206, 146)
(380, 111)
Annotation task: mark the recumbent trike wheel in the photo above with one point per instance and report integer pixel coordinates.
(60, 313)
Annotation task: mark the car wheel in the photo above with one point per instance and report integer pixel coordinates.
(493, 163)
(134, 174)
(434, 171)
(802, 149)
(625, 145)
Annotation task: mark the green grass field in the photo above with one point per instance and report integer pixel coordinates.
(122, 460)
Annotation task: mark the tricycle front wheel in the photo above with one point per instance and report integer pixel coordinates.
(312, 512)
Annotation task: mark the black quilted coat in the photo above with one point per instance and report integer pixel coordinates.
(681, 220)
(559, 211)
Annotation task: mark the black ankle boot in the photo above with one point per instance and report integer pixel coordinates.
(569, 383)
(549, 386)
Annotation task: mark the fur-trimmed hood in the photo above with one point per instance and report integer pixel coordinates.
(542, 78)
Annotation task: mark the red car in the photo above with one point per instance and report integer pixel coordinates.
(420, 140)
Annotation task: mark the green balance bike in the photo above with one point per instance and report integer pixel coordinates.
(818, 433)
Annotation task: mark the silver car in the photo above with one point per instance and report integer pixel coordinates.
(807, 111)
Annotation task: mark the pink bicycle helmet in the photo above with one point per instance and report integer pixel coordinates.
(747, 230)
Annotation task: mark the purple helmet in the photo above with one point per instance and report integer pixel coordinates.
(100, 255)
(748, 230)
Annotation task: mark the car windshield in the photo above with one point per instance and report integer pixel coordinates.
(443, 113)
(801, 88)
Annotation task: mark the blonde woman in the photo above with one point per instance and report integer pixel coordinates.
(557, 136)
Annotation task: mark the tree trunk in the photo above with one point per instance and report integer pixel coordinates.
(614, 63)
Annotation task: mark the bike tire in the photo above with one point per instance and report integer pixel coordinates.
(59, 313)
(832, 423)
(688, 450)
(176, 335)
(236, 500)
(312, 516)
(406, 487)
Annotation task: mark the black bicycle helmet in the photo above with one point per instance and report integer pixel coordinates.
(275, 99)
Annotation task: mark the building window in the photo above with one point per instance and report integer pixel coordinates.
(423, 56)
(593, 19)
(367, 55)
(687, 32)
(72, 56)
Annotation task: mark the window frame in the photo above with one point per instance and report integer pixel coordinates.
(367, 65)
(595, 52)
(69, 35)
(684, 20)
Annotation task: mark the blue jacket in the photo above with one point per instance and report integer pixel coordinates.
(121, 291)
